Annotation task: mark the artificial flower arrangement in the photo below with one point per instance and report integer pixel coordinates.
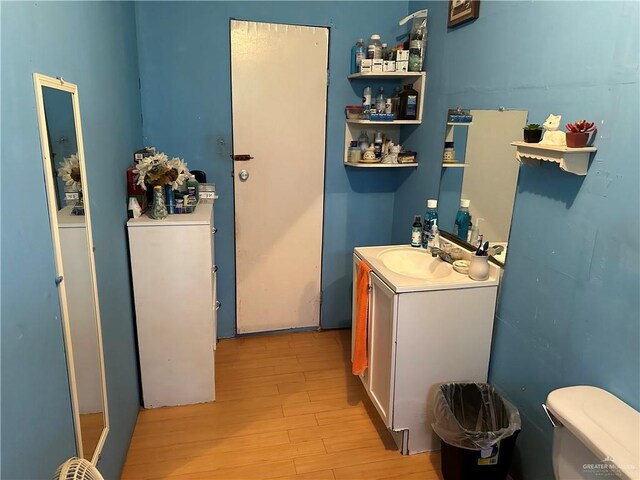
(157, 170)
(69, 170)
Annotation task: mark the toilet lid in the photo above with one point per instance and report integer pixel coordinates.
(605, 424)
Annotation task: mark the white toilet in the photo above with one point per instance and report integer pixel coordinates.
(596, 435)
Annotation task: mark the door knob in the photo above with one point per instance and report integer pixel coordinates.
(243, 175)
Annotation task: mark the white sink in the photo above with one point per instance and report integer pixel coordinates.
(416, 263)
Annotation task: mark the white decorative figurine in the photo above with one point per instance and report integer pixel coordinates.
(551, 135)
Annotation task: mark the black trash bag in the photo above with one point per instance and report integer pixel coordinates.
(473, 416)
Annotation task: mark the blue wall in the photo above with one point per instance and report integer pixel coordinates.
(568, 311)
(93, 45)
(184, 67)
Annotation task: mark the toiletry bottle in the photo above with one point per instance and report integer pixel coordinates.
(416, 231)
(363, 140)
(366, 100)
(430, 215)
(193, 190)
(384, 51)
(380, 101)
(377, 144)
(408, 103)
(435, 233)
(374, 48)
(357, 54)
(463, 220)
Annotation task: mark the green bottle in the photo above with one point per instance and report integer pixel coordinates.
(193, 190)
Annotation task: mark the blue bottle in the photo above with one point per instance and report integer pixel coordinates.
(357, 54)
(463, 220)
(429, 217)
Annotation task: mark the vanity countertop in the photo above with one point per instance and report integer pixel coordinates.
(401, 283)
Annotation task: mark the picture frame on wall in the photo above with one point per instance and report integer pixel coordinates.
(462, 11)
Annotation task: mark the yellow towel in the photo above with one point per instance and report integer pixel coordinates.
(362, 313)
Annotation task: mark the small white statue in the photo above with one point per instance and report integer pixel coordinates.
(551, 135)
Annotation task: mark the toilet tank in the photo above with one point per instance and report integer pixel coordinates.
(596, 435)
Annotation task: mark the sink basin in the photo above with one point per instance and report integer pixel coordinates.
(416, 263)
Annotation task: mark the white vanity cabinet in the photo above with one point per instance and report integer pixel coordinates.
(174, 283)
(418, 340)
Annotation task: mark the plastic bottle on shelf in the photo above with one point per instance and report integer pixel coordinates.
(380, 100)
(395, 103)
(366, 100)
(374, 48)
(408, 109)
(363, 140)
(430, 216)
(463, 220)
(357, 54)
(384, 51)
(377, 144)
(193, 190)
(415, 56)
(415, 231)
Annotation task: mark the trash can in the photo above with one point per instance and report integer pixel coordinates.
(478, 429)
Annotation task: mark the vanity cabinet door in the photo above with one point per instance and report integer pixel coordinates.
(383, 306)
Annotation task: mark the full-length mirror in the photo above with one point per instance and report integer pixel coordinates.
(68, 203)
(479, 166)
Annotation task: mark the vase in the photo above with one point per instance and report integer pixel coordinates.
(532, 136)
(158, 209)
(577, 140)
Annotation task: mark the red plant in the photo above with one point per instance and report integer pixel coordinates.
(581, 126)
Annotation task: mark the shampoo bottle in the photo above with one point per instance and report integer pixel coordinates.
(193, 190)
(416, 231)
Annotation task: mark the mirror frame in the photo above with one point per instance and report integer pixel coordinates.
(41, 81)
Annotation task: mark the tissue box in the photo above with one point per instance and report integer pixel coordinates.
(389, 66)
(377, 65)
(365, 65)
(402, 66)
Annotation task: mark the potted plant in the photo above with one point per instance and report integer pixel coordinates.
(532, 133)
(578, 133)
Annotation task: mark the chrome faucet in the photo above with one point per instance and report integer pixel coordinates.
(438, 252)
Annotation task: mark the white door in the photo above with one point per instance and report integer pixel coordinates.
(279, 95)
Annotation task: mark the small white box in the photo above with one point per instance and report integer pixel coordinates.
(377, 65)
(402, 56)
(402, 66)
(365, 65)
(389, 66)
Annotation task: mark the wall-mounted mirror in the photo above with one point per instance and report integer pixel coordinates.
(68, 202)
(482, 169)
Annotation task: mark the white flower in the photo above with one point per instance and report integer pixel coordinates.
(69, 170)
(157, 169)
(180, 166)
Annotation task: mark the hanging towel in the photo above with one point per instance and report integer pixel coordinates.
(362, 313)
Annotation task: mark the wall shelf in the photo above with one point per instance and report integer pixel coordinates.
(380, 165)
(572, 160)
(353, 126)
(459, 124)
(387, 75)
(383, 122)
(455, 165)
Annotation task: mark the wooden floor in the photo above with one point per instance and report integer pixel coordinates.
(287, 408)
(91, 426)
